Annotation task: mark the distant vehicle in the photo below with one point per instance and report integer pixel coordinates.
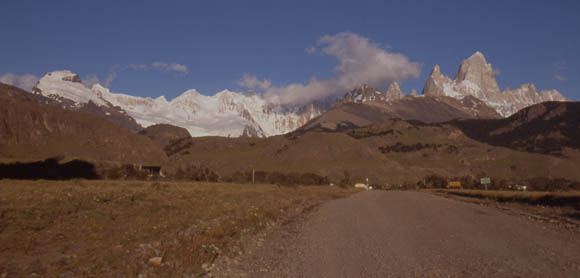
(454, 184)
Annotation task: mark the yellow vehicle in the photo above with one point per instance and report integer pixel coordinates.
(454, 184)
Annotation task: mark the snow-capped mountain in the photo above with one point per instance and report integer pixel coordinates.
(475, 77)
(226, 113)
(64, 89)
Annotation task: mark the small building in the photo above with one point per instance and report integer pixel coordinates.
(152, 171)
(361, 185)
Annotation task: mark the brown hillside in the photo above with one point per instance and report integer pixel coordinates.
(113, 114)
(29, 130)
(164, 134)
(8, 92)
(390, 152)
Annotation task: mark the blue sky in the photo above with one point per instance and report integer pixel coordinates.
(152, 48)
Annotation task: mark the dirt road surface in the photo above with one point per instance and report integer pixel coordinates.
(409, 234)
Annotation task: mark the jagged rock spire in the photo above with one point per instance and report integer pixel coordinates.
(475, 69)
(394, 92)
(434, 84)
(475, 77)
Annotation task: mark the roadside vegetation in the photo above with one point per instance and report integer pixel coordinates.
(568, 198)
(435, 181)
(107, 228)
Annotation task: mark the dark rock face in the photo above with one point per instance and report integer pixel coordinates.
(363, 93)
(75, 78)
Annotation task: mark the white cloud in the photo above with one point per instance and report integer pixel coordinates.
(178, 67)
(310, 50)
(560, 66)
(252, 82)
(559, 69)
(360, 62)
(112, 75)
(137, 66)
(157, 66)
(559, 77)
(160, 66)
(90, 81)
(25, 82)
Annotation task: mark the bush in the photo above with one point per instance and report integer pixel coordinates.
(435, 181)
(196, 173)
(123, 172)
(345, 182)
(285, 179)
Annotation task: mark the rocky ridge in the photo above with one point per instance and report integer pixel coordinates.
(365, 93)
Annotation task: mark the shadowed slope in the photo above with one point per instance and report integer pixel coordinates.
(543, 128)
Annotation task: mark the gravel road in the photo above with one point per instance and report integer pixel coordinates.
(409, 234)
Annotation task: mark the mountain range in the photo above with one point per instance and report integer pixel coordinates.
(470, 94)
(538, 141)
(226, 113)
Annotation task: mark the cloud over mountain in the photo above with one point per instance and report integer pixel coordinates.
(361, 61)
(114, 71)
(25, 81)
(160, 66)
(252, 82)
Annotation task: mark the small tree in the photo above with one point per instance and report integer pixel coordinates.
(435, 181)
(346, 182)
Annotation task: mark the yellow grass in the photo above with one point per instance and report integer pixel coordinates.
(112, 228)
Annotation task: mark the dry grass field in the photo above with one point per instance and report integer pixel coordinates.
(86, 228)
(565, 198)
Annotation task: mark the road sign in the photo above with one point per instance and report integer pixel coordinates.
(485, 181)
